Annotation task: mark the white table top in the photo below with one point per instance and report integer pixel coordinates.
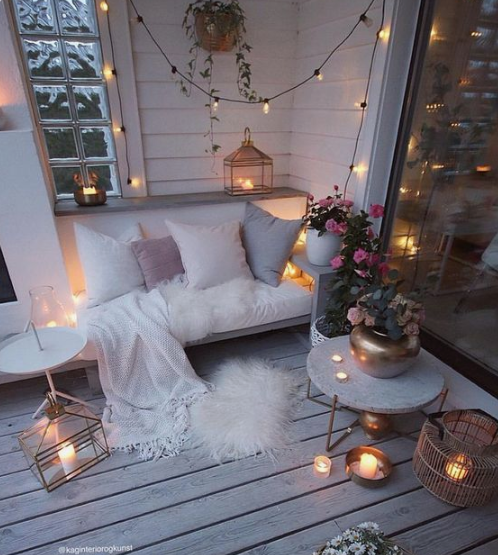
(20, 354)
(416, 388)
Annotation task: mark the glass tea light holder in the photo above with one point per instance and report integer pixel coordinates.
(46, 309)
(368, 467)
(248, 170)
(64, 443)
(321, 466)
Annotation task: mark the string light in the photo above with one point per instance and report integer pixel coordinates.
(383, 34)
(120, 129)
(109, 72)
(104, 6)
(216, 103)
(318, 74)
(266, 106)
(476, 34)
(366, 20)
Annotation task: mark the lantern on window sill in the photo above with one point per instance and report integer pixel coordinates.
(64, 443)
(248, 170)
(92, 195)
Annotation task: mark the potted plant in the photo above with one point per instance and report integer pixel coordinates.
(366, 538)
(385, 336)
(358, 265)
(326, 222)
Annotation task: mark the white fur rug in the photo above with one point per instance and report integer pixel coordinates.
(249, 412)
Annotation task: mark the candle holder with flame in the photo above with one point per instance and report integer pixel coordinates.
(46, 310)
(64, 443)
(91, 195)
(248, 170)
(368, 467)
(457, 457)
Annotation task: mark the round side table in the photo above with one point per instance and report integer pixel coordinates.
(21, 355)
(417, 388)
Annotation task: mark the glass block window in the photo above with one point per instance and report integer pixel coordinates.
(63, 59)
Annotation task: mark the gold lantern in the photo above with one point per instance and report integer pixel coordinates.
(64, 443)
(248, 170)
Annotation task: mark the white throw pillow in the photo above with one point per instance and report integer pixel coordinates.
(211, 255)
(110, 267)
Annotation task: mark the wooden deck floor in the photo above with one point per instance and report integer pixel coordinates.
(189, 504)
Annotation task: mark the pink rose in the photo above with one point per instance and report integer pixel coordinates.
(337, 262)
(325, 202)
(311, 198)
(411, 329)
(383, 269)
(360, 255)
(355, 316)
(336, 187)
(345, 202)
(334, 227)
(376, 211)
(369, 321)
(372, 260)
(370, 233)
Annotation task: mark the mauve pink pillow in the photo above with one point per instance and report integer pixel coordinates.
(159, 259)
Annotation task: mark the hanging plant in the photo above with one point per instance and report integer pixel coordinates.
(217, 26)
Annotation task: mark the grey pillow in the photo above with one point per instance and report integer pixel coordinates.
(268, 242)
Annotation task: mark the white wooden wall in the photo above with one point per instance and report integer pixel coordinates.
(173, 125)
(325, 118)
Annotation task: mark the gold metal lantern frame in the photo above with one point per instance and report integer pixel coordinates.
(248, 170)
(63, 444)
(456, 457)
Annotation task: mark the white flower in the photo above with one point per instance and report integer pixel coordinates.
(335, 542)
(357, 549)
(373, 526)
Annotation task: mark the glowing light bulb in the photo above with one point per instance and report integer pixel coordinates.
(108, 72)
(216, 103)
(476, 34)
(318, 74)
(119, 129)
(104, 6)
(383, 34)
(266, 106)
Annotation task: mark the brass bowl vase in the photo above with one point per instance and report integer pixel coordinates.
(380, 356)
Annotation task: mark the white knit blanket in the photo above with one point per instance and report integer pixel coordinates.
(147, 379)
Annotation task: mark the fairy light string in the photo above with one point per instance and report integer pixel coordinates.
(317, 74)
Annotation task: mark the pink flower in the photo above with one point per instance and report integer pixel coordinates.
(360, 255)
(383, 269)
(311, 198)
(336, 187)
(325, 202)
(369, 321)
(419, 316)
(345, 202)
(334, 227)
(355, 316)
(370, 233)
(411, 329)
(337, 262)
(372, 260)
(376, 211)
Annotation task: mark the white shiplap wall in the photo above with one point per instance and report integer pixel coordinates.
(173, 125)
(325, 119)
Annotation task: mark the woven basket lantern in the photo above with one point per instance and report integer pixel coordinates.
(456, 457)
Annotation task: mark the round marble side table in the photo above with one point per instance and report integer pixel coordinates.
(417, 388)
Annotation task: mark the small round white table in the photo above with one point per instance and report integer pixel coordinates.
(417, 388)
(21, 355)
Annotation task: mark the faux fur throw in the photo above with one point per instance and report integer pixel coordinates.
(147, 379)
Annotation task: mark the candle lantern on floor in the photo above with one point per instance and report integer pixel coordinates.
(457, 457)
(248, 170)
(64, 443)
(91, 195)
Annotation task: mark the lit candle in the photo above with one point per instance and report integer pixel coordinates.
(483, 169)
(68, 458)
(51, 324)
(337, 358)
(247, 184)
(368, 466)
(457, 467)
(341, 377)
(322, 466)
(89, 190)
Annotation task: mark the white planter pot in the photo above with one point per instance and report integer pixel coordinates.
(320, 250)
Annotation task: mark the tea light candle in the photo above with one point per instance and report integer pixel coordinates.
(337, 358)
(89, 191)
(247, 184)
(68, 458)
(457, 467)
(341, 377)
(322, 466)
(368, 466)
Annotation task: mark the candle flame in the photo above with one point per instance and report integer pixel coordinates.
(89, 190)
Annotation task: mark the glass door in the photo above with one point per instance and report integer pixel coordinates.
(443, 224)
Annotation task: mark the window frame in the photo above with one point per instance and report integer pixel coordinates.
(129, 159)
(477, 372)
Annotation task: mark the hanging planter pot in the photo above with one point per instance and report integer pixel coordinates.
(320, 249)
(216, 33)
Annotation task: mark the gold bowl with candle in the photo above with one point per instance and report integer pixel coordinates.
(90, 196)
(368, 467)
